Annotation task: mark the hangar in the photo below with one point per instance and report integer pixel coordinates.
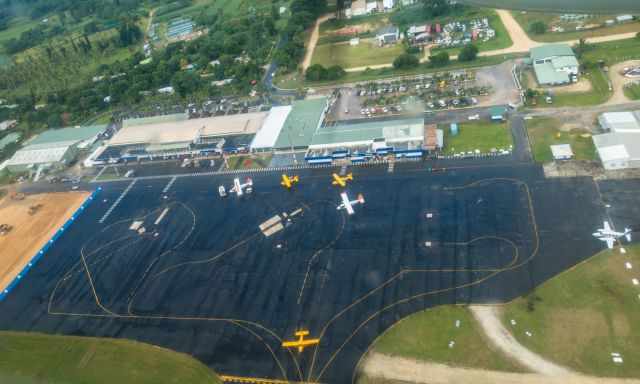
(619, 148)
(54, 148)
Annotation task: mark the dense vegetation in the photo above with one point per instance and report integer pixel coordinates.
(303, 14)
(235, 48)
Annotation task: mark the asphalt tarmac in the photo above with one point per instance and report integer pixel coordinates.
(203, 279)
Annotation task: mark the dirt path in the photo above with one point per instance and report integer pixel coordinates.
(313, 40)
(618, 81)
(413, 371)
(489, 319)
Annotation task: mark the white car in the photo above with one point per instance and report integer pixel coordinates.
(474, 117)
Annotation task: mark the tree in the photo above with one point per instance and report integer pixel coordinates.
(406, 61)
(316, 72)
(185, 82)
(538, 27)
(638, 35)
(468, 53)
(335, 72)
(439, 59)
(580, 48)
(340, 8)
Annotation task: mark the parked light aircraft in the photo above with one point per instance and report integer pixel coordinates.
(289, 181)
(341, 181)
(348, 204)
(608, 235)
(238, 188)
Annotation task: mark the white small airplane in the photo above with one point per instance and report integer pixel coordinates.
(608, 235)
(238, 188)
(348, 204)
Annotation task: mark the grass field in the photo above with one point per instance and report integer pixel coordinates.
(544, 132)
(376, 74)
(551, 19)
(598, 94)
(583, 315)
(614, 51)
(426, 335)
(249, 162)
(632, 91)
(482, 136)
(35, 358)
(365, 54)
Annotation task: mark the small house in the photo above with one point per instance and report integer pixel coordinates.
(561, 152)
(388, 35)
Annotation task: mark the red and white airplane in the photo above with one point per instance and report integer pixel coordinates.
(238, 188)
(348, 204)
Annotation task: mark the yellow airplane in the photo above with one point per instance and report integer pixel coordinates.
(301, 343)
(341, 181)
(288, 182)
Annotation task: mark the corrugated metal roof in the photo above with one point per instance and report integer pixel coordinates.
(564, 61)
(561, 151)
(268, 134)
(38, 155)
(547, 74)
(609, 146)
(362, 133)
(551, 50)
(303, 120)
(68, 134)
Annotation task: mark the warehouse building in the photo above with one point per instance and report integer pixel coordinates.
(365, 140)
(619, 148)
(177, 135)
(554, 64)
(54, 149)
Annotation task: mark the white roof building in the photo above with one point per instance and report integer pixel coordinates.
(561, 151)
(620, 122)
(268, 135)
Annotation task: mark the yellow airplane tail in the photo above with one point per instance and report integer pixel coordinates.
(295, 179)
(349, 176)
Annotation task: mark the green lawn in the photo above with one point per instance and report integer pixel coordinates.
(632, 91)
(375, 74)
(551, 19)
(583, 315)
(36, 358)
(598, 94)
(362, 55)
(249, 162)
(483, 136)
(426, 335)
(544, 132)
(614, 51)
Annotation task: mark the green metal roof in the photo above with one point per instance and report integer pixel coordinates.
(547, 74)
(303, 121)
(564, 61)
(10, 138)
(551, 50)
(67, 134)
(396, 130)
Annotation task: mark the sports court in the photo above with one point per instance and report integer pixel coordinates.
(169, 262)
